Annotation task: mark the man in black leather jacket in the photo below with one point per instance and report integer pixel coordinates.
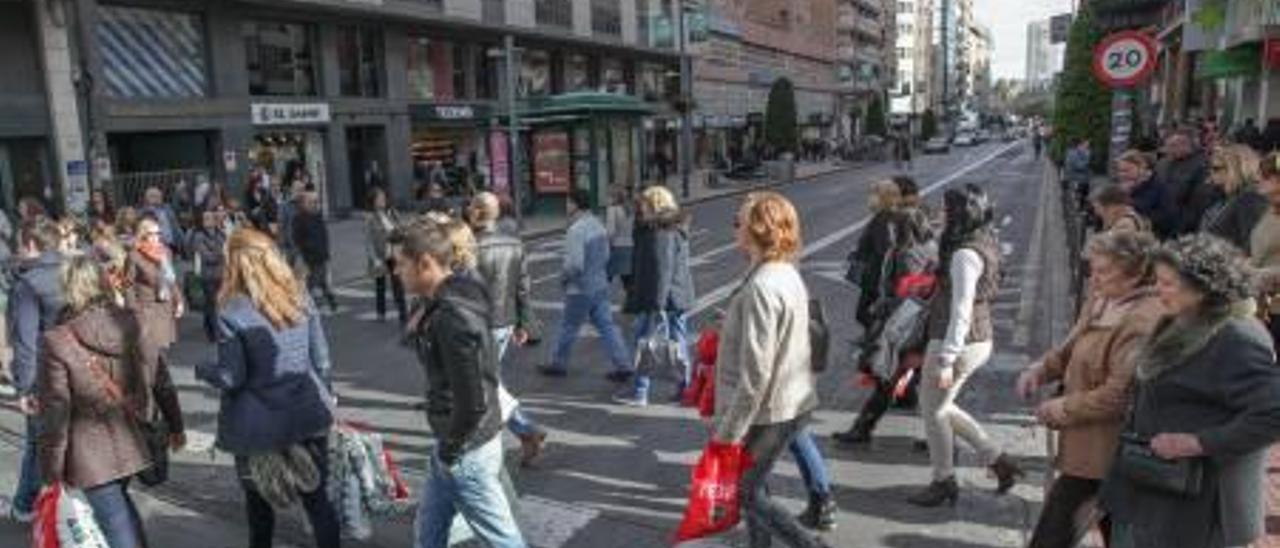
(453, 341)
(500, 261)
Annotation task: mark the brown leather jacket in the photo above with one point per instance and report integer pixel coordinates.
(89, 434)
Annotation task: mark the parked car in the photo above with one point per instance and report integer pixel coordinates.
(937, 145)
(981, 136)
(965, 139)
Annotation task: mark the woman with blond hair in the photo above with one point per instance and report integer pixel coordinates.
(273, 371)
(867, 259)
(661, 292)
(101, 373)
(153, 284)
(1237, 206)
(765, 384)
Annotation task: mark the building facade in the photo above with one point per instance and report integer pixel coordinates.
(981, 46)
(910, 93)
(355, 94)
(748, 46)
(1039, 74)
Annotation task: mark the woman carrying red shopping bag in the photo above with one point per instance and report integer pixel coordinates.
(764, 380)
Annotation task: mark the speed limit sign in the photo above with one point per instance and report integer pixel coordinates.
(1124, 59)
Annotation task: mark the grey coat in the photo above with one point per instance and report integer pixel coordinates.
(1219, 382)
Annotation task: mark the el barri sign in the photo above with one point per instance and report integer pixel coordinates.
(289, 114)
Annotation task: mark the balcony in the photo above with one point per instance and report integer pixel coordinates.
(846, 52)
(870, 6)
(847, 20)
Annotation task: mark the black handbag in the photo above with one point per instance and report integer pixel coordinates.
(1138, 463)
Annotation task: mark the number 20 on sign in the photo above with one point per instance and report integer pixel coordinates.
(1124, 59)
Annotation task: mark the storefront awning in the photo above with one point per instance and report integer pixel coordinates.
(1244, 60)
(585, 103)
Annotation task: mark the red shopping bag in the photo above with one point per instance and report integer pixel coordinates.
(44, 529)
(714, 496)
(701, 390)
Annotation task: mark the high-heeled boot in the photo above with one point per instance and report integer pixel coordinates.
(1007, 473)
(938, 492)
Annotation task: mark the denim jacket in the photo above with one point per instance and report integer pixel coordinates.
(586, 257)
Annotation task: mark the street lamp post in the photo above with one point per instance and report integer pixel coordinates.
(513, 129)
(686, 102)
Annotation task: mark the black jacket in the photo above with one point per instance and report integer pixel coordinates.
(1233, 217)
(458, 353)
(1227, 393)
(1183, 195)
(661, 279)
(311, 237)
(35, 305)
(500, 261)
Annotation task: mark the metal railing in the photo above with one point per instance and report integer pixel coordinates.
(127, 189)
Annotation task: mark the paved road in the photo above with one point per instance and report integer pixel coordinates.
(615, 476)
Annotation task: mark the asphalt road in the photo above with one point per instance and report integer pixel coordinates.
(615, 476)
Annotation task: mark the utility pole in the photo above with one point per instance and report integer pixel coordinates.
(686, 100)
(513, 129)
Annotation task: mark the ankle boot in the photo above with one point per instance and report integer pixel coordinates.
(858, 434)
(1007, 473)
(938, 492)
(820, 514)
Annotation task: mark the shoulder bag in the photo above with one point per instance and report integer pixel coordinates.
(155, 431)
(1137, 462)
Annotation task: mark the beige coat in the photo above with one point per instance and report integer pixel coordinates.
(1096, 367)
(763, 371)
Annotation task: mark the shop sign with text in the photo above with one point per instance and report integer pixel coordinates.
(289, 114)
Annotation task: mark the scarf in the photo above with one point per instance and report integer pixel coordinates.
(1176, 339)
(158, 253)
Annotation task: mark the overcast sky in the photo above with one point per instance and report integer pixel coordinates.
(1008, 20)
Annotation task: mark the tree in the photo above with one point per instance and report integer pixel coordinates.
(780, 117)
(875, 118)
(928, 124)
(1082, 109)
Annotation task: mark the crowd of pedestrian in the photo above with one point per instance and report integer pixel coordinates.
(1165, 394)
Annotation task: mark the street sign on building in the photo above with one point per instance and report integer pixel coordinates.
(288, 114)
(1124, 59)
(1059, 28)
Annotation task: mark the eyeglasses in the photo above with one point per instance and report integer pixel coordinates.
(1218, 168)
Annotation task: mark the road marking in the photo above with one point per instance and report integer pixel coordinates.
(721, 293)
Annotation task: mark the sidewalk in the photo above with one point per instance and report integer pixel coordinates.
(347, 239)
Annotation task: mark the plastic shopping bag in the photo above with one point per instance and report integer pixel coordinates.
(44, 529)
(714, 495)
(76, 526)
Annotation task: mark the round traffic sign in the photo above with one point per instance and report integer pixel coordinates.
(1125, 58)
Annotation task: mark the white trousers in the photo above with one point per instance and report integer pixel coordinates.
(943, 419)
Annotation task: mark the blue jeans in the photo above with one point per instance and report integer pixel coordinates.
(116, 515)
(29, 479)
(578, 308)
(519, 424)
(809, 460)
(677, 323)
(472, 487)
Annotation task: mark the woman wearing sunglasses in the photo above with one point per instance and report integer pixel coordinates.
(1237, 206)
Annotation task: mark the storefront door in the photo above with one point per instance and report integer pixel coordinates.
(366, 161)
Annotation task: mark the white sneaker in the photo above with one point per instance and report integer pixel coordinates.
(7, 510)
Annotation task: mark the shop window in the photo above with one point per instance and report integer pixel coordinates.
(150, 53)
(431, 73)
(279, 58)
(613, 76)
(554, 13)
(653, 82)
(642, 22)
(359, 61)
(577, 72)
(459, 71)
(535, 73)
(606, 17)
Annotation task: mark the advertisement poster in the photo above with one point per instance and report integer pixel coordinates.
(499, 163)
(551, 162)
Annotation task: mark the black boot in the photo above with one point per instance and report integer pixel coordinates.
(937, 493)
(820, 514)
(1007, 473)
(858, 434)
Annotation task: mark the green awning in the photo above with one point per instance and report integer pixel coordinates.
(586, 103)
(1245, 60)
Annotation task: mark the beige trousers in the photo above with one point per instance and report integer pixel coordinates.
(943, 419)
